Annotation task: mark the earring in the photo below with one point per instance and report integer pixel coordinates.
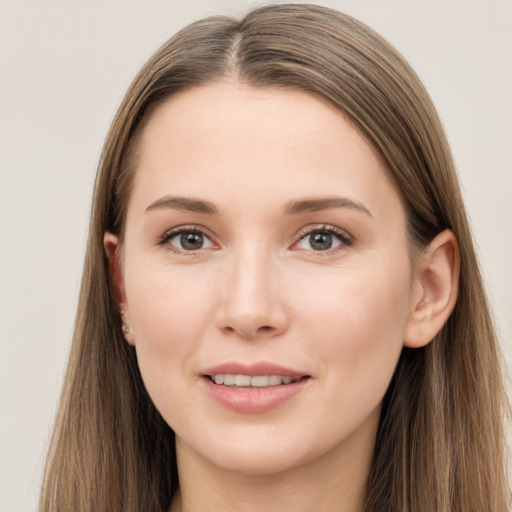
(126, 328)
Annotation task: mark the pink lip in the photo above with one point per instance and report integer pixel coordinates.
(261, 368)
(253, 400)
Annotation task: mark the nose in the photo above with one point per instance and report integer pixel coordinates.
(252, 305)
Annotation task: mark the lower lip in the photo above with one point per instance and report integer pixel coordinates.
(254, 400)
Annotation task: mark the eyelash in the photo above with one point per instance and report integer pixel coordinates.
(169, 235)
(342, 236)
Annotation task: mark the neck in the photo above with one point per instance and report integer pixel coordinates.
(333, 482)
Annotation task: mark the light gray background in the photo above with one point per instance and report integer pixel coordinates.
(64, 67)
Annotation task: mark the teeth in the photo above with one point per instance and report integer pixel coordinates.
(229, 380)
(256, 381)
(274, 380)
(242, 380)
(260, 381)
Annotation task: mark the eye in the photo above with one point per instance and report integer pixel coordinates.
(187, 240)
(323, 239)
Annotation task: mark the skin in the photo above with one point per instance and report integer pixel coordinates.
(258, 290)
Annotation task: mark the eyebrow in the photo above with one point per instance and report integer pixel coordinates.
(295, 207)
(323, 203)
(185, 204)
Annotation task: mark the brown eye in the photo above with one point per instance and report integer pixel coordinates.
(191, 241)
(324, 239)
(188, 240)
(320, 241)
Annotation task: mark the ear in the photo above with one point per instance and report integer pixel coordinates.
(111, 244)
(435, 290)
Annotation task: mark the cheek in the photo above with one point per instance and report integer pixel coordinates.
(170, 314)
(170, 311)
(357, 320)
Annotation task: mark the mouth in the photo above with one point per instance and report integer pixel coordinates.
(254, 388)
(253, 381)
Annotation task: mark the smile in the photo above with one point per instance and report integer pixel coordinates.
(251, 381)
(255, 388)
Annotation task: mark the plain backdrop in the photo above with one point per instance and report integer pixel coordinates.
(64, 66)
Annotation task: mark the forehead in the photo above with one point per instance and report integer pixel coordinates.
(224, 137)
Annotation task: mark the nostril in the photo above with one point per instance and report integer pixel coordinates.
(260, 330)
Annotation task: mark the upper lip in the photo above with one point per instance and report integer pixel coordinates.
(260, 368)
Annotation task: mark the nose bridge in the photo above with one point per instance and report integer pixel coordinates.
(252, 304)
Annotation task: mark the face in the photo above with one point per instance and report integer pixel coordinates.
(266, 276)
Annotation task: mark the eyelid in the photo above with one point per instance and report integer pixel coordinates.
(163, 240)
(346, 240)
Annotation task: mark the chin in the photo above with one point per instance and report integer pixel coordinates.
(246, 452)
(257, 462)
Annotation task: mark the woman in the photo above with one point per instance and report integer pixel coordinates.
(281, 306)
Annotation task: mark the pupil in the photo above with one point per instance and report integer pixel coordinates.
(321, 241)
(191, 241)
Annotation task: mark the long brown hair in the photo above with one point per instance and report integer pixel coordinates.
(440, 444)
